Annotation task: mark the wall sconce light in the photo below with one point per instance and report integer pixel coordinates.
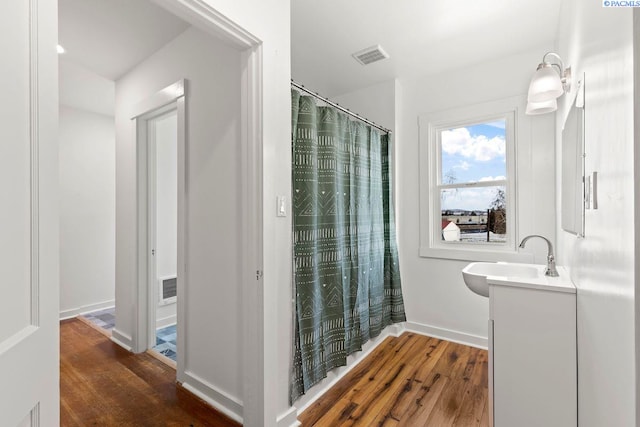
(550, 81)
(543, 107)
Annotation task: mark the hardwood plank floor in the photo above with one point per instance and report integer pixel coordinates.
(411, 380)
(101, 384)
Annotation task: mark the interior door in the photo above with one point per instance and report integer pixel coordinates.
(162, 182)
(29, 364)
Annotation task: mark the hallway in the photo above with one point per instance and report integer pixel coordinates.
(101, 384)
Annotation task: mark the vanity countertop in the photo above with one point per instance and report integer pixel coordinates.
(561, 283)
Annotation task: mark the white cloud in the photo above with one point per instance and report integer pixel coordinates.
(479, 148)
(463, 166)
(492, 178)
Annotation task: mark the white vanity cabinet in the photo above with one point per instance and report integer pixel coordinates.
(532, 352)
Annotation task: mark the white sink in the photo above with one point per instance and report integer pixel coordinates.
(475, 274)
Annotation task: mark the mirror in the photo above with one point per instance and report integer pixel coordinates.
(573, 166)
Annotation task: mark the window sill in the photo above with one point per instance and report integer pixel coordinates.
(474, 255)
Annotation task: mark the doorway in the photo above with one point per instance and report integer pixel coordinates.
(240, 376)
(162, 180)
(160, 145)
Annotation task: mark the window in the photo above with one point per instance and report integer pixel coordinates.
(467, 182)
(473, 180)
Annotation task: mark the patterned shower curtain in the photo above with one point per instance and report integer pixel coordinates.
(346, 271)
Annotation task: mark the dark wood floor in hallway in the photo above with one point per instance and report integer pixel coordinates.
(103, 385)
(411, 380)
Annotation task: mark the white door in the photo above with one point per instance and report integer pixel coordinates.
(162, 148)
(29, 367)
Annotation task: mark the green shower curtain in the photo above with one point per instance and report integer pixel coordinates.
(346, 271)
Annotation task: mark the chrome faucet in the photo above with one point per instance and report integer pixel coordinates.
(551, 259)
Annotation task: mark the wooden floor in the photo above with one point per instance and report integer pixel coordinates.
(411, 380)
(103, 385)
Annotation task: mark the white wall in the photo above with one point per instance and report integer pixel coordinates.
(212, 307)
(375, 102)
(597, 41)
(85, 90)
(87, 210)
(166, 149)
(436, 298)
(269, 20)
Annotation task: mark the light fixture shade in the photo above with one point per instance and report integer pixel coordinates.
(544, 107)
(545, 84)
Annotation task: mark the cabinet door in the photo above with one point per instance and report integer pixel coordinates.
(534, 358)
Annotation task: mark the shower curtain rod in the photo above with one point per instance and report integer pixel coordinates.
(335, 105)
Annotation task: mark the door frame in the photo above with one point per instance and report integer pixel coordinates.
(146, 137)
(202, 16)
(173, 97)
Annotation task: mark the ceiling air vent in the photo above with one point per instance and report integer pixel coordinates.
(370, 54)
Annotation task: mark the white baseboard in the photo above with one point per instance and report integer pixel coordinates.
(166, 321)
(220, 400)
(122, 339)
(74, 312)
(448, 335)
(289, 418)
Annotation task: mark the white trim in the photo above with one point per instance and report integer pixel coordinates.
(219, 399)
(32, 419)
(448, 335)
(181, 256)
(34, 142)
(166, 321)
(123, 340)
(35, 415)
(289, 418)
(476, 255)
(170, 98)
(253, 374)
(164, 97)
(139, 343)
(17, 338)
(430, 124)
(202, 16)
(84, 309)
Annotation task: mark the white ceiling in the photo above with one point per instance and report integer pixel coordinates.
(110, 37)
(422, 37)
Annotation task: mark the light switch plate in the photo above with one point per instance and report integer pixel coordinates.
(281, 206)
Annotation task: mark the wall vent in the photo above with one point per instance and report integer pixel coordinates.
(168, 290)
(370, 54)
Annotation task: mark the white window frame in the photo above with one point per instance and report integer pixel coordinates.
(430, 128)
